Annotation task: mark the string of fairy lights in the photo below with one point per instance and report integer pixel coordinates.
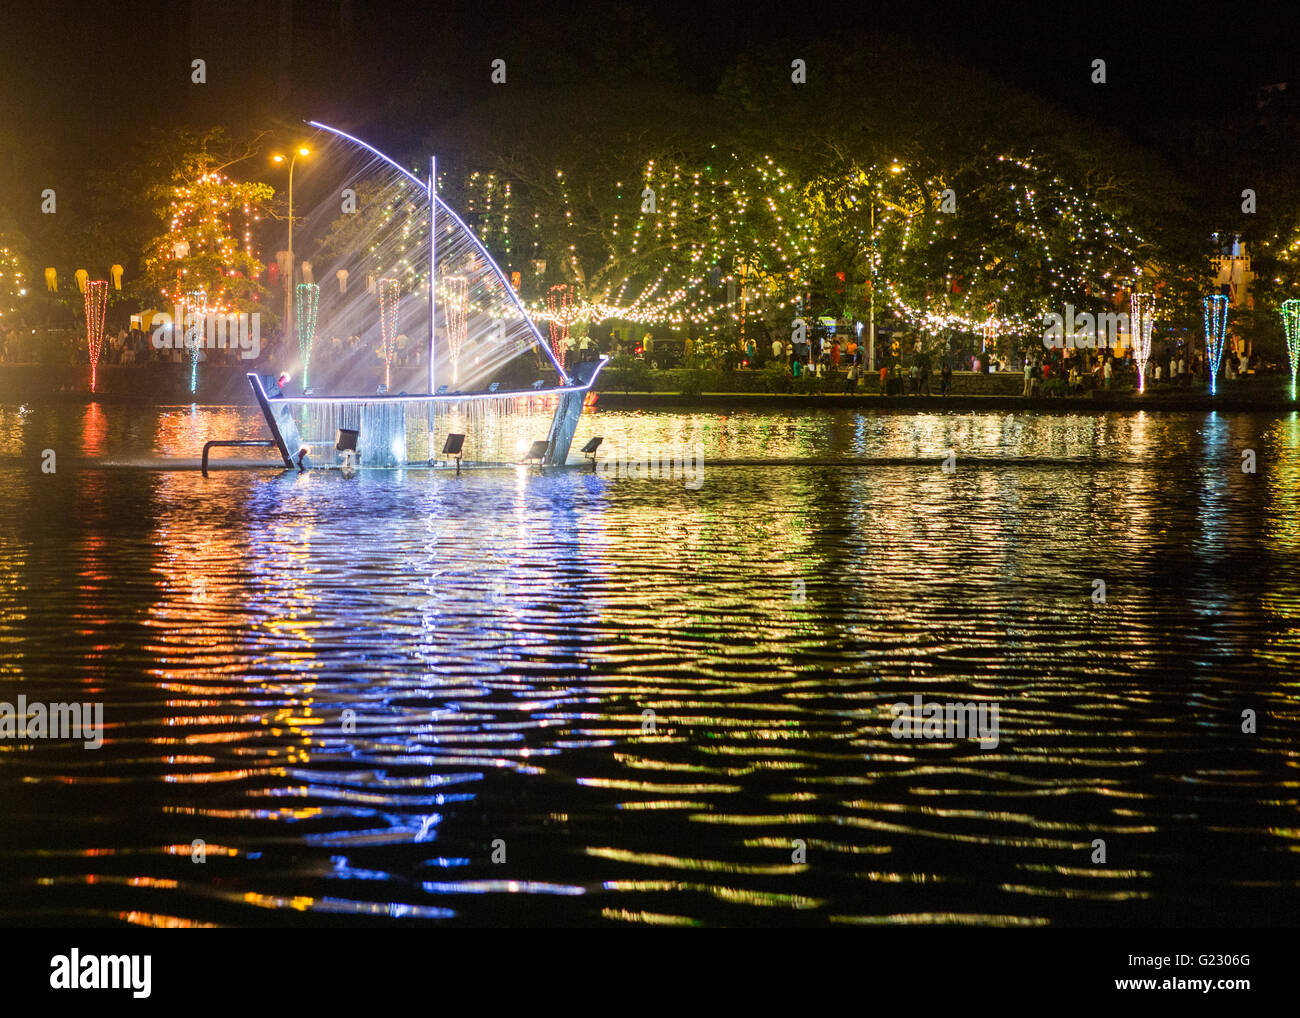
(702, 220)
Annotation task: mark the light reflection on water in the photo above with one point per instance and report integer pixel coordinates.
(357, 692)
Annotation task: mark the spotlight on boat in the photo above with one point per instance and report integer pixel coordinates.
(537, 451)
(589, 450)
(452, 447)
(345, 441)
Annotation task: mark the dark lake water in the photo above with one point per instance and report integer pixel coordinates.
(499, 639)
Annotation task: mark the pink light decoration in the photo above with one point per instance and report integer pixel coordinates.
(96, 306)
(558, 301)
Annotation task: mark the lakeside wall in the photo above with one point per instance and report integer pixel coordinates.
(226, 384)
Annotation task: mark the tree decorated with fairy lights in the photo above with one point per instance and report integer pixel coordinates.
(208, 243)
(14, 279)
(1006, 234)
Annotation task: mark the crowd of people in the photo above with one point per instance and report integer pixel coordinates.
(839, 362)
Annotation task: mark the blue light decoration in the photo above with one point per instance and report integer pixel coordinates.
(1215, 309)
(1290, 311)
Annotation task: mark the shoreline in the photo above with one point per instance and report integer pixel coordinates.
(1102, 402)
(223, 385)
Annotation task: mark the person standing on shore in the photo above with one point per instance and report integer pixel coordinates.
(945, 379)
(835, 355)
(1106, 373)
(1029, 375)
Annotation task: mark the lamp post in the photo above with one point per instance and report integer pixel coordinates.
(288, 283)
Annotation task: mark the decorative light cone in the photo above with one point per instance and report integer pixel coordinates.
(455, 303)
(307, 304)
(198, 300)
(1290, 311)
(559, 305)
(1142, 317)
(96, 296)
(389, 295)
(1215, 307)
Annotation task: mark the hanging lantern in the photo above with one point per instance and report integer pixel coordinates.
(52, 279)
(307, 276)
(370, 282)
(116, 272)
(82, 275)
(273, 274)
(342, 275)
(181, 249)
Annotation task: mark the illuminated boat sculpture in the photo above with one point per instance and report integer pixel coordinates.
(474, 326)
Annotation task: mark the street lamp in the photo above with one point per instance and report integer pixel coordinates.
(288, 283)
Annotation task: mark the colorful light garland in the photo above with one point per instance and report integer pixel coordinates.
(306, 304)
(389, 297)
(1215, 309)
(96, 306)
(1290, 311)
(1142, 310)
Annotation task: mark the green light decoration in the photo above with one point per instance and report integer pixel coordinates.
(1142, 318)
(307, 301)
(1290, 311)
(389, 295)
(1215, 308)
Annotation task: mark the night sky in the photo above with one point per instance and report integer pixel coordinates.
(81, 80)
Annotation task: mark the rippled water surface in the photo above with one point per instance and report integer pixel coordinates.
(577, 698)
